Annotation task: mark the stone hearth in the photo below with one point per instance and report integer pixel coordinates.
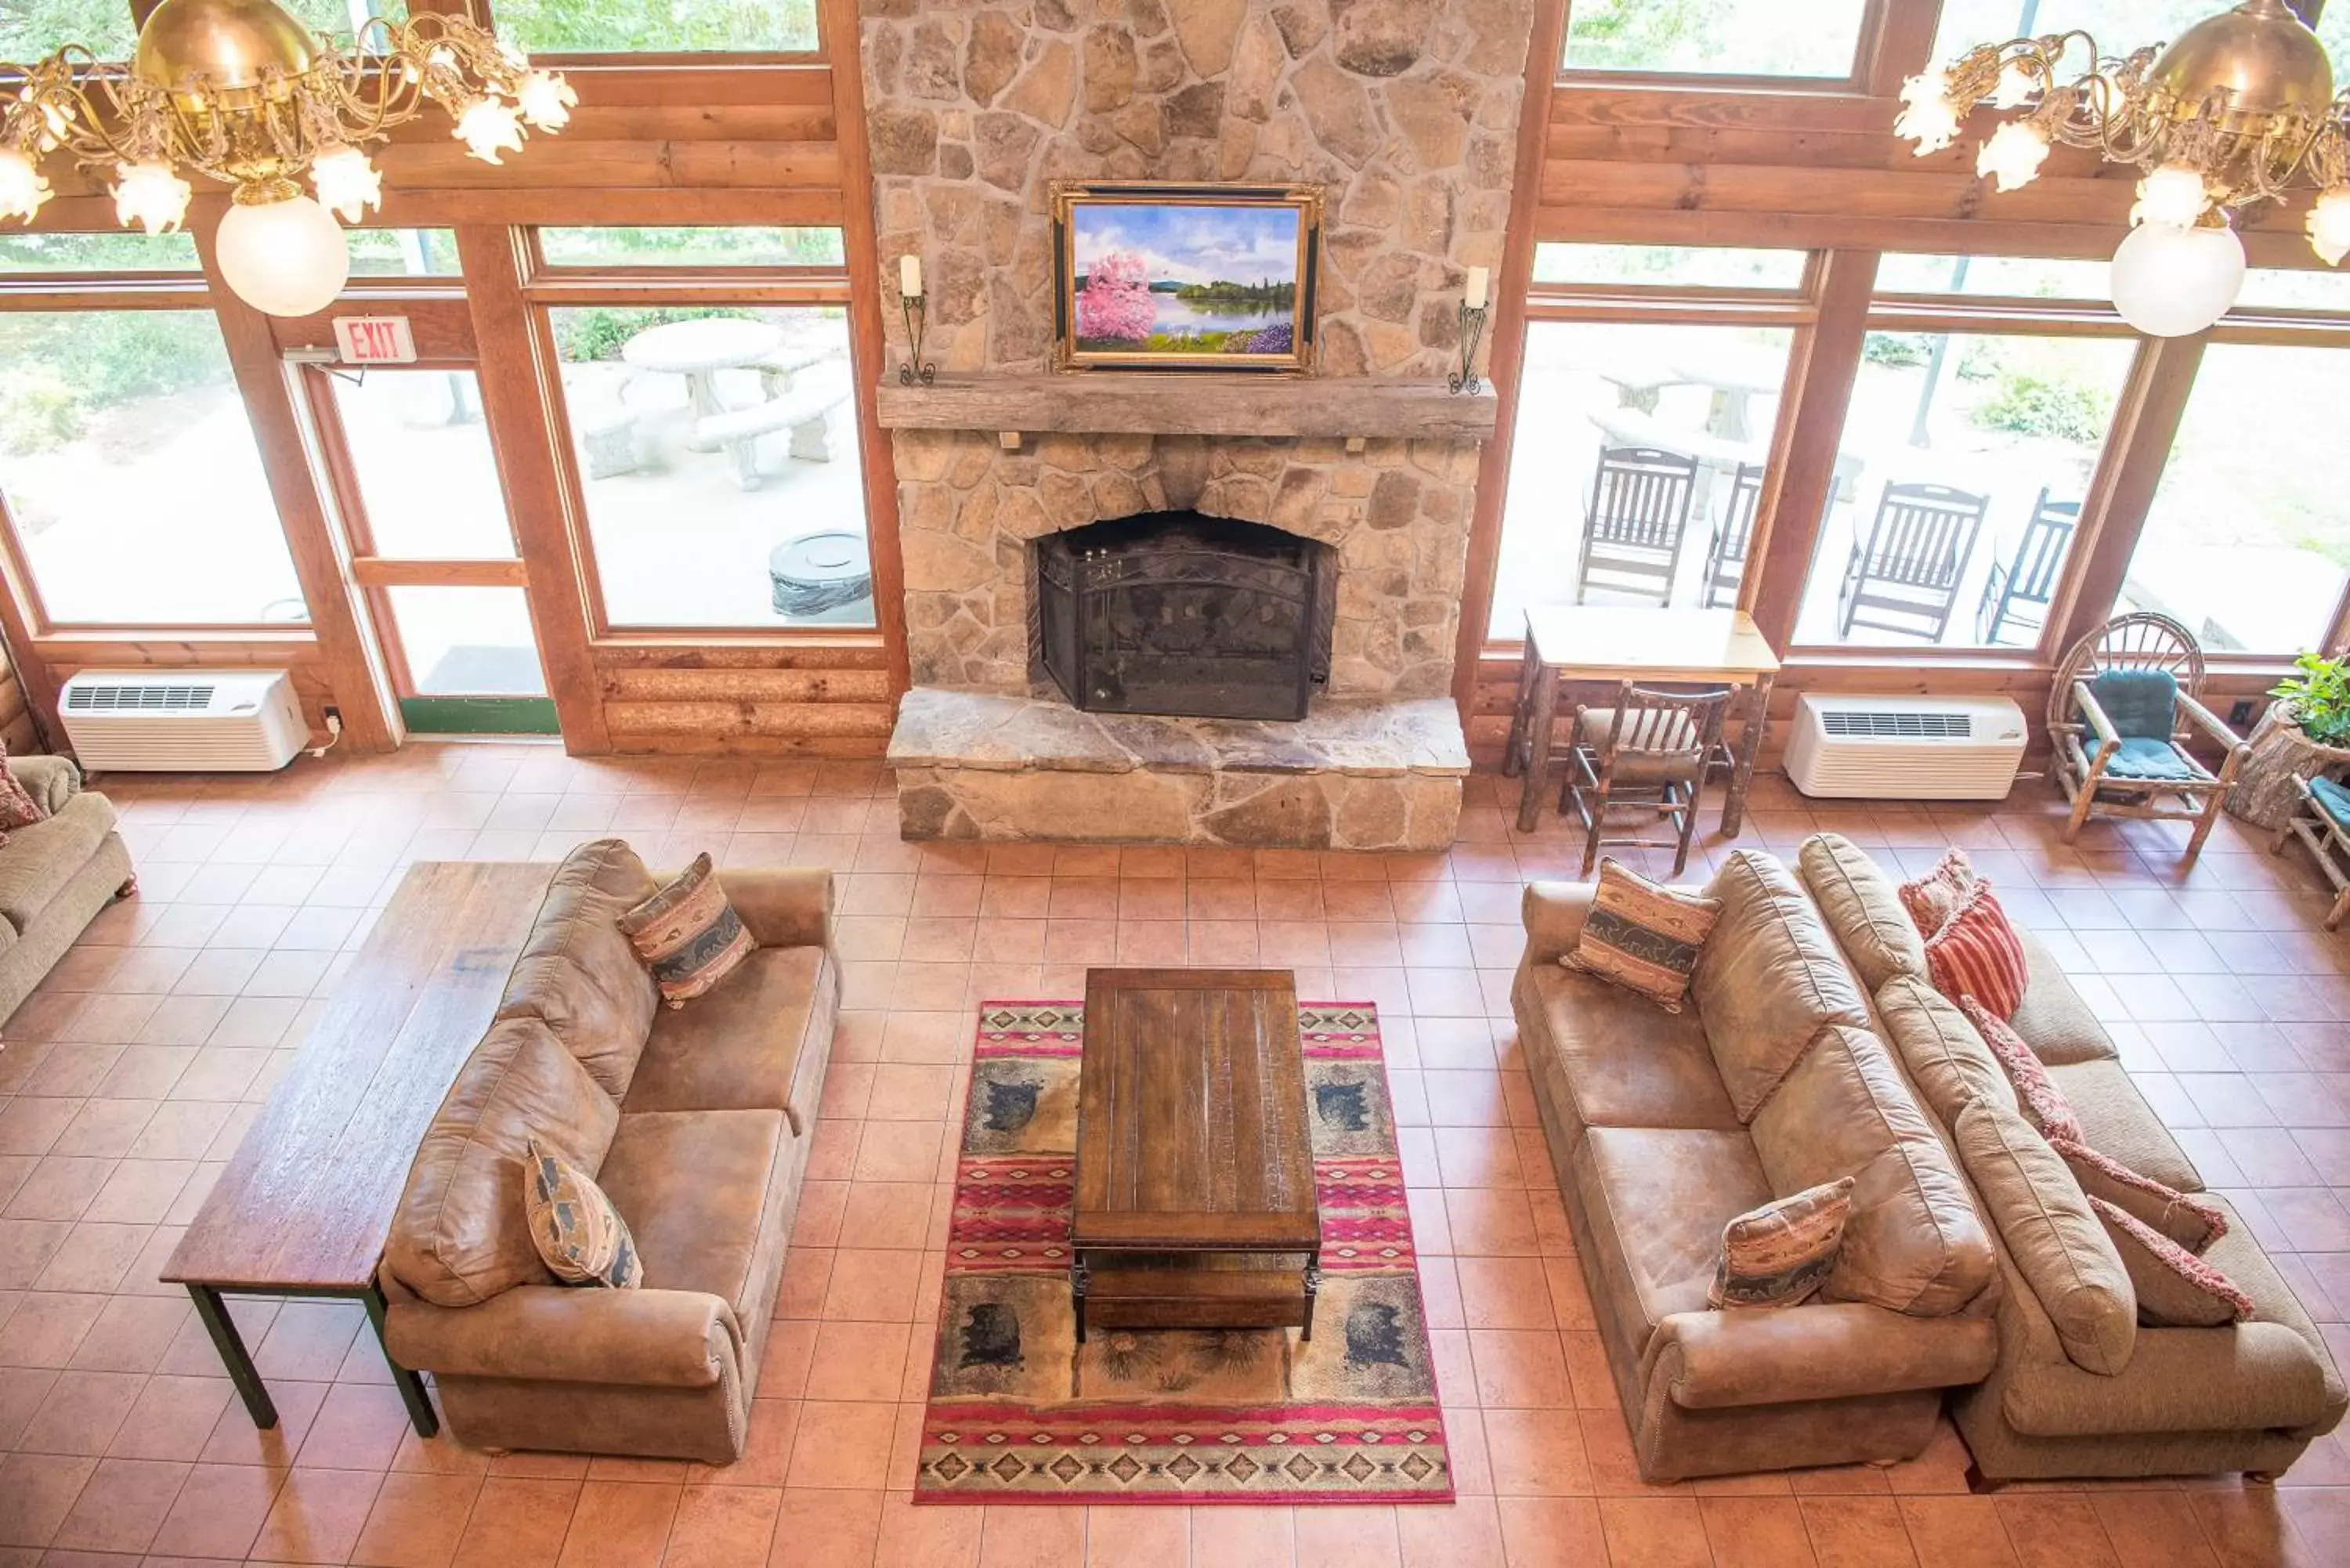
(1366, 774)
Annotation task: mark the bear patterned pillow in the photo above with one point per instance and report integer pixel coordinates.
(688, 934)
(1643, 935)
(580, 1236)
(1779, 1254)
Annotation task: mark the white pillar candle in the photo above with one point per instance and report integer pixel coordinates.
(909, 275)
(1474, 298)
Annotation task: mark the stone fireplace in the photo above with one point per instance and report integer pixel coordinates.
(1404, 113)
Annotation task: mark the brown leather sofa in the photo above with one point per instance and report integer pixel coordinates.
(1664, 1126)
(696, 1121)
(2244, 1396)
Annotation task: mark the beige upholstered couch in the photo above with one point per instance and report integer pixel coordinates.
(2245, 1397)
(696, 1122)
(55, 876)
(1666, 1126)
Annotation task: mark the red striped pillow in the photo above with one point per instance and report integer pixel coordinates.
(1978, 953)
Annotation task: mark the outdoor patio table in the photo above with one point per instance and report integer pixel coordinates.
(699, 349)
(1653, 647)
(1734, 377)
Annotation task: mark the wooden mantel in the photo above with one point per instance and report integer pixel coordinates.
(1177, 403)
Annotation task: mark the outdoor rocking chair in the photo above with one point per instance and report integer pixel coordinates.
(1646, 754)
(1641, 499)
(1725, 555)
(1908, 570)
(2029, 579)
(2125, 703)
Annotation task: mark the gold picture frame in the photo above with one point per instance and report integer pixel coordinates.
(1140, 276)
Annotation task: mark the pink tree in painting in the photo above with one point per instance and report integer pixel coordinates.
(1116, 301)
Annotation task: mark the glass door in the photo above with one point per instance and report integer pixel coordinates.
(408, 455)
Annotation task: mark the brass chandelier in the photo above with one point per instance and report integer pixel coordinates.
(2239, 111)
(240, 92)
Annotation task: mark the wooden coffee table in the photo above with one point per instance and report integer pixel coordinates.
(1194, 1173)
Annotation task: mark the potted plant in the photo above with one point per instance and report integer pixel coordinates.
(2305, 732)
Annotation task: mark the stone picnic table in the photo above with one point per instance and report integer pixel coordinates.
(699, 349)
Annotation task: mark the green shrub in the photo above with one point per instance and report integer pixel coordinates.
(38, 410)
(1900, 350)
(2055, 406)
(600, 332)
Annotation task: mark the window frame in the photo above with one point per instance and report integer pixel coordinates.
(602, 60)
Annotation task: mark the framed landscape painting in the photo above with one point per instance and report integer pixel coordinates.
(1185, 277)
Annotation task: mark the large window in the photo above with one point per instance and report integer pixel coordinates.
(2118, 25)
(1736, 37)
(131, 473)
(2249, 535)
(591, 27)
(32, 30)
(1637, 461)
(122, 251)
(1959, 475)
(687, 247)
(1680, 266)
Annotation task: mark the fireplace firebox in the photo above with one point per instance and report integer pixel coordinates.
(1183, 614)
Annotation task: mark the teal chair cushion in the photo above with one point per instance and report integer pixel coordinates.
(2148, 761)
(2142, 703)
(2332, 799)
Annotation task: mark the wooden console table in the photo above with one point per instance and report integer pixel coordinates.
(1652, 647)
(306, 1205)
(1192, 1153)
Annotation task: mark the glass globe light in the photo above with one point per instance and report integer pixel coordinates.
(287, 257)
(2171, 282)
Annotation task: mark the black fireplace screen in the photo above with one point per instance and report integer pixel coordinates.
(1174, 612)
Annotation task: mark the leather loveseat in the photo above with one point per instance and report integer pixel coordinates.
(695, 1121)
(2246, 1396)
(1664, 1126)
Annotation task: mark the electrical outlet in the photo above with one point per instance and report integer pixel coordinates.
(334, 714)
(2241, 713)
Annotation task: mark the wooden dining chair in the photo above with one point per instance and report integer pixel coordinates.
(1905, 577)
(1647, 757)
(2019, 589)
(1632, 530)
(2125, 703)
(1725, 554)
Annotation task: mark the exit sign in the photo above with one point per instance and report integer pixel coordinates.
(375, 341)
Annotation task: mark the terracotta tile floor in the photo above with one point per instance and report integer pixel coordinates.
(128, 1078)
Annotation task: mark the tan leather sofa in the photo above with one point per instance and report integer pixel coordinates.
(696, 1121)
(2245, 1397)
(1665, 1126)
(55, 876)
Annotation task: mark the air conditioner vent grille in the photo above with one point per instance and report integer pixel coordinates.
(155, 698)
(1941, 726)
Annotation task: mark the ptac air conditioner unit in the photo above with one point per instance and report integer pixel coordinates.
(182, 721)
(1905, 748)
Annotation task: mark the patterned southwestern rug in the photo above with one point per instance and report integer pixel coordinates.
(1019, 1412)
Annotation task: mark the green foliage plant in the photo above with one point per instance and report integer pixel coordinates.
(2056, 406)
(2320, 696)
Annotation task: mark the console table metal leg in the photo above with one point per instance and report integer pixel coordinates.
(1313, 1291)
(413, 1392)
(1079, 1277)
(213, 1311)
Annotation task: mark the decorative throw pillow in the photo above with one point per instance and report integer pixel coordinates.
(2044, 1102)
(17, 808)
(2193, 1222)
(1778, 1254)
(1934, 898)
(2175, 1289)
(1642, 936)
(581, 1236)
(1977, 951)
(688, 934)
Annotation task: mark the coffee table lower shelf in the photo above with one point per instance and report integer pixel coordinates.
(1110, 1289)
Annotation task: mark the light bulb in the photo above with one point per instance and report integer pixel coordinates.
(1931, 119)
(2015, 87)
(2329, 224)
(55, 123)
(546, 100)
(23, 187)
(346, 182)
(286, 257)
(2013, 156)
(489, 127)
(2171, 282)
(2173, 194)
(149, 195)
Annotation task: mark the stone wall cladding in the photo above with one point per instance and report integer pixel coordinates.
(1396, 512)
(1404, 111)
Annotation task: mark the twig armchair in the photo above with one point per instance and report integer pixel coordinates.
(2125, 703)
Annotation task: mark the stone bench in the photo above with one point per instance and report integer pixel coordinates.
(806, 410)
(1353, 775)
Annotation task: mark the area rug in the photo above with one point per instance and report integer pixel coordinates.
(1020, 1412)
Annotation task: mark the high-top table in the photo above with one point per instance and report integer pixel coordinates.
(1651, 647)
(306, 1205)
(1193, 1158)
